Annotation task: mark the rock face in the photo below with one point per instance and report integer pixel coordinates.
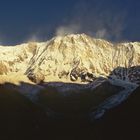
(14, 58)
(36, 77)
(77, 58)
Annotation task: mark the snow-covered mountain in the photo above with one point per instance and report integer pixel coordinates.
(72, 66)
(75, 57)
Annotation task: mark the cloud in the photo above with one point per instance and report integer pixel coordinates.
(67, 29)
(98, 19)
(1, 39)
(0, 42)
(33, 38)
(101, 33)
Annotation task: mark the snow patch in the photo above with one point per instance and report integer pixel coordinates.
(114, 100)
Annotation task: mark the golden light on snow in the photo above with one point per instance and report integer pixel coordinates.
(57, 58)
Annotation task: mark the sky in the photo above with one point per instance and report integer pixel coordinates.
(40, 20)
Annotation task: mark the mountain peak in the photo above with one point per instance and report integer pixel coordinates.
(72, 58)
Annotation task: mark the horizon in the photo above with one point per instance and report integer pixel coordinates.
(54, 37)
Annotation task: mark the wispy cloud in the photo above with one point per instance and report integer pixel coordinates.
(97, 20)
(1, 39)
(67, 29)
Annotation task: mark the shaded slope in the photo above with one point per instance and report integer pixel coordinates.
(19, 118)
(76, 99)
(122, 122)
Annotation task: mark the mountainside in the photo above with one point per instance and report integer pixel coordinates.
(72, 73)
(19, 117)
(78, 58)
(123, 121)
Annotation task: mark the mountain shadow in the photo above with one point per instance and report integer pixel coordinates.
(121, 122)
(20, 118)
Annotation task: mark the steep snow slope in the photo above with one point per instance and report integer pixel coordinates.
(73, 58)
(15, 58)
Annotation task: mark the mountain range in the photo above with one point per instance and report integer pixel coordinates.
(71, 77)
